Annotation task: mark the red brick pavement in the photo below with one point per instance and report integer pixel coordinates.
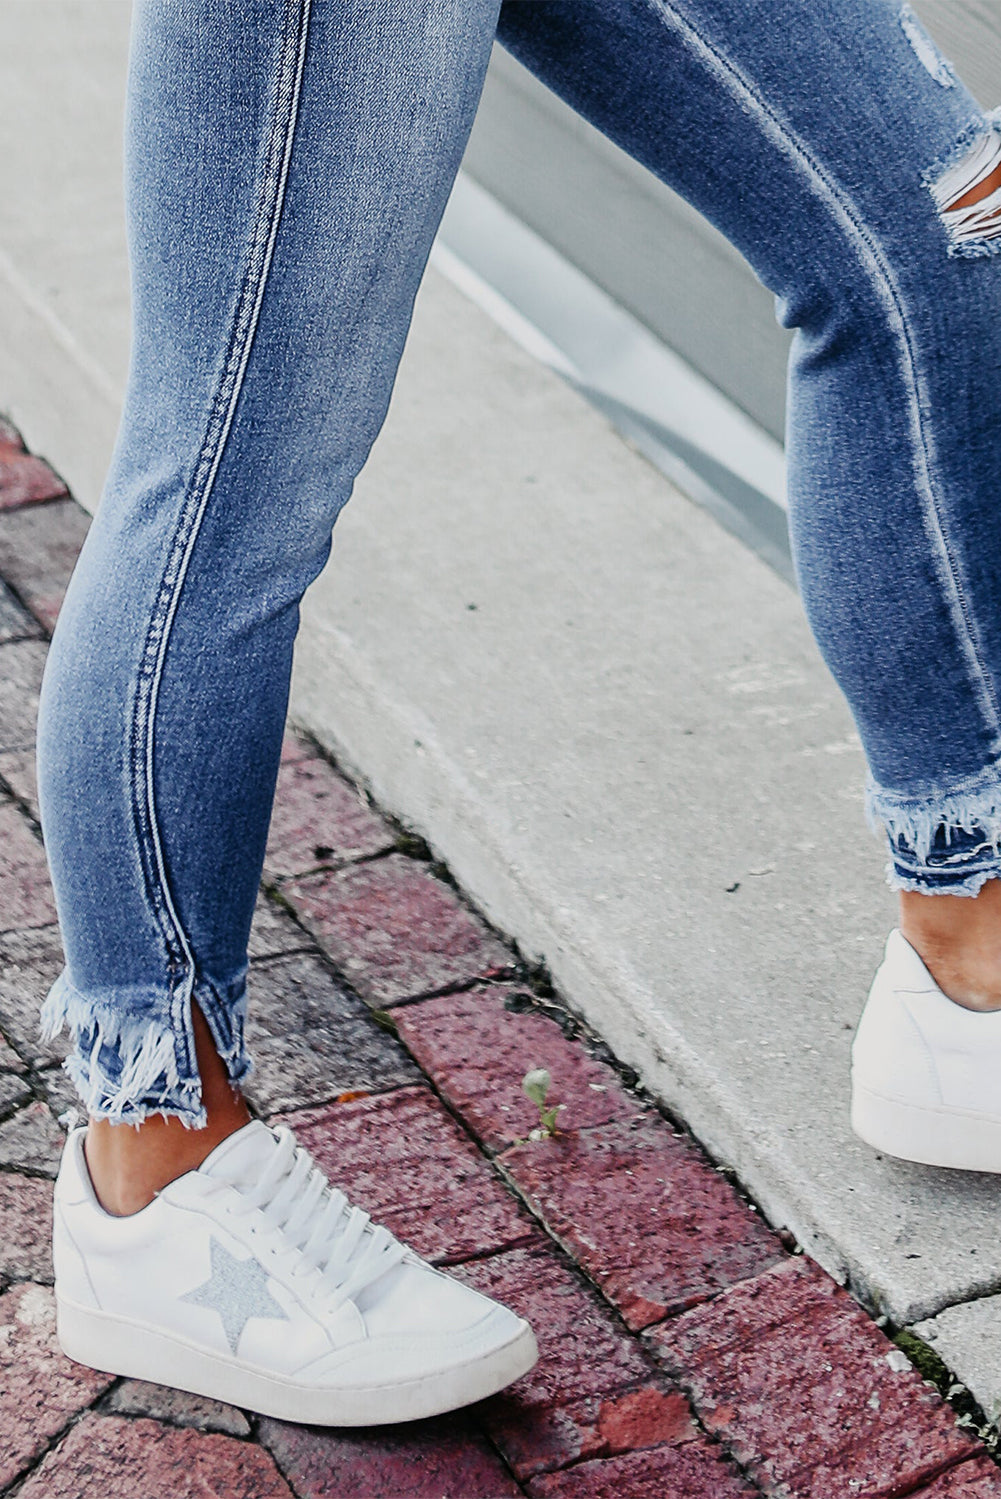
(23, 478)
(684, 1351)
(119, 1457)
(794, 1378)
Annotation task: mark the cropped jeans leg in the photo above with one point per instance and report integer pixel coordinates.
(838, 150)
(287, 163)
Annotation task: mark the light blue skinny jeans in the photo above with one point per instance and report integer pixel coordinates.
(287, 163)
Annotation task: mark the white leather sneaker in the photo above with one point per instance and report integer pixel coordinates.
(926, 1073)
(254, 1281)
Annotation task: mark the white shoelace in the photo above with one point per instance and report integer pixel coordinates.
(318, 1222)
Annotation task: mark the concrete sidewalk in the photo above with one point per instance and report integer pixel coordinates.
(603, 712)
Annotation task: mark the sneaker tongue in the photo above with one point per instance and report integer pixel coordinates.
(242, 1156)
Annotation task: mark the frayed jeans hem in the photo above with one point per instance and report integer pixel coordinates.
(128, 1064)
(933, 885)
(945, 844)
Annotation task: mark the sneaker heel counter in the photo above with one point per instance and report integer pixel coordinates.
(890, 1054)
(71, 1275)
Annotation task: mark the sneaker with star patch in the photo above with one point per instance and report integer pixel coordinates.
(253, 1281)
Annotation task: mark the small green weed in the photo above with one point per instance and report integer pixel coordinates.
(535, 1086)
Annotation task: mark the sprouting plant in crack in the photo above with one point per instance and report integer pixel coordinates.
(535, 1085)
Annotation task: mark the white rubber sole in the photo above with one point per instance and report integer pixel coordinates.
(933, 1135)
(122, 1347)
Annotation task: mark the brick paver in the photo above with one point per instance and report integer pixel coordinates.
(595, 1390)
(394, 930)
(17, 774)
(29, 963)
(645, 1215)
(24, 479)
(25, 892)
(446, 1457)
(38, 548)
(319, 819)
(40, 1389)
(9, 1060)
(683, 1351)
(311, 1040)
(141, 1398)
(477, 1050)
(15, 622)
(21, 664)
(274, 931)
(25, 1228)
(966, 1481)
(120, 1459)
(31, 1140)
(695, 1469)
(14, 1090)
(805, 1391)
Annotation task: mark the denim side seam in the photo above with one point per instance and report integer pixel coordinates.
(873, 258)
(156, 1055)
(909, 822)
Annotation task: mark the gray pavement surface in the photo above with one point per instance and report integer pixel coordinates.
(628, 750)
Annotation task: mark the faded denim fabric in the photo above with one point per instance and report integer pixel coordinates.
(287, 165)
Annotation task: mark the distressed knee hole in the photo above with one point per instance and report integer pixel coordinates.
(925, 49)
(968, 194)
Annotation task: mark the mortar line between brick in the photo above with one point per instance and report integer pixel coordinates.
(25, 603)
(555, 1240)
(35, 827)
(307, 948)
(793, 1483)
(11, 510)
(255, 1428)
(333, 1101)
(52, 1443)
(493, 1161)
(947, 1468)
(717, 1296)
(718, 1443)
(927, 1476)
(332, 866)
(19, 749)
(489, 1443)
(33, 1172)
(457, 987)
(19, 640)
(8, 932)
(552, 1240)
(273, 890)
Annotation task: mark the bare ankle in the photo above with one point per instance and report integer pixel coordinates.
(959, 940)
(130, 1164)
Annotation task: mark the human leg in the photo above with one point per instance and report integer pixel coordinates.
(287, 166)
(814, 137)
(840, 153)
(288, 161)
